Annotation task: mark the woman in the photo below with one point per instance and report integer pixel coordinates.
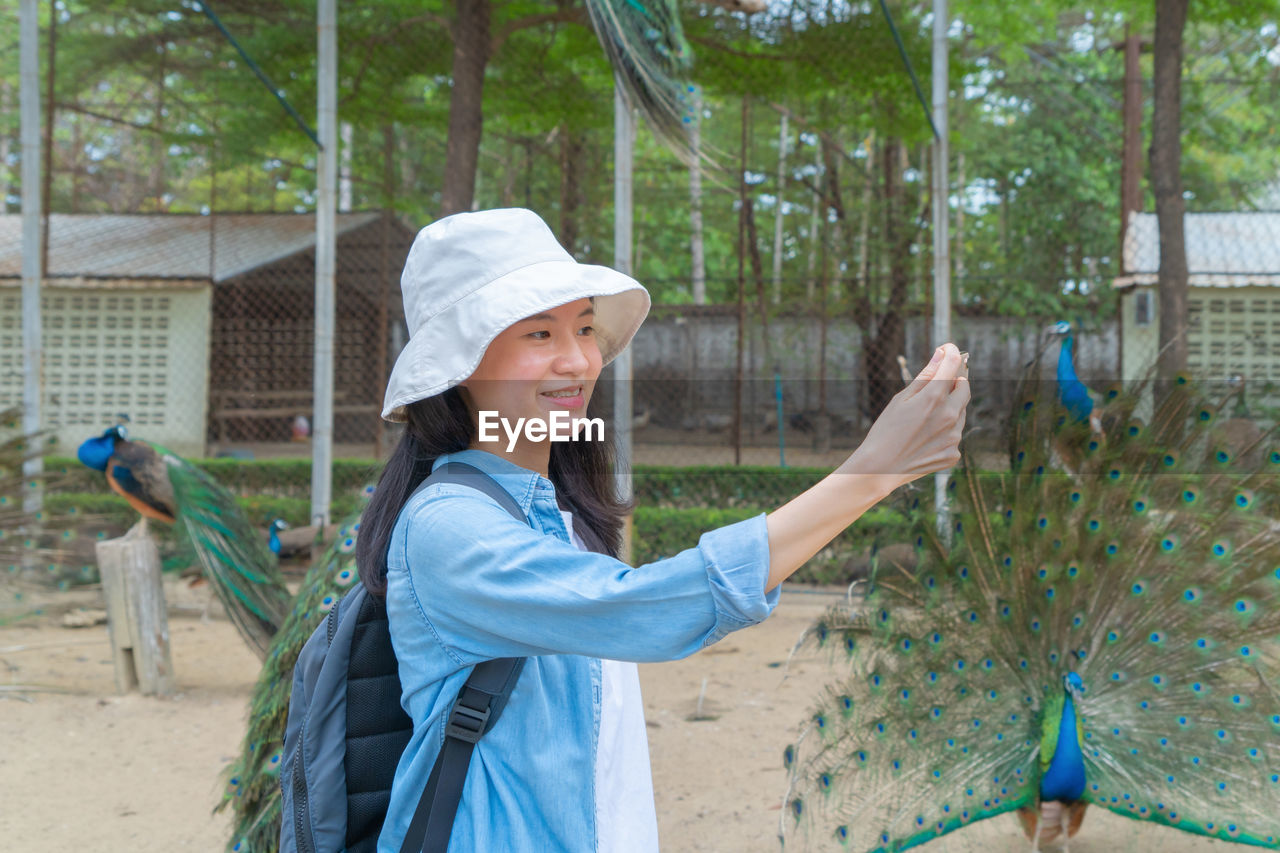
(506, 325)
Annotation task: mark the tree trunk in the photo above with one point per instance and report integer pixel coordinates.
(1166, 181)
(572, 157)
(883, 378)
(466, 118)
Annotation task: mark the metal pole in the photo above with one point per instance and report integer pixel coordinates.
(777, 213)
(326, 199)
(623, 138)
(32, 271)
(941, 209)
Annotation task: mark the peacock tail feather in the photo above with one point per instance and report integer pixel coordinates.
(239, 565)
(645, 43)
(1148, 564)
(253, 790)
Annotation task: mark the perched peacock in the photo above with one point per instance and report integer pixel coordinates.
(1106, 636)
(161, 485)
(253, 787)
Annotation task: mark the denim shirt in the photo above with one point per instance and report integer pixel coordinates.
(467, 582)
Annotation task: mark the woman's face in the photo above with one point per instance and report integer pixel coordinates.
(540, 365)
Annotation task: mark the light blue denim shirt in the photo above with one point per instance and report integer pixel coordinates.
(467, 582)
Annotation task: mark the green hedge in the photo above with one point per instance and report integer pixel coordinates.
(662, 532)
(653, 485)
(674, 505)
(109, 510)
(721, 485)
(279, 477)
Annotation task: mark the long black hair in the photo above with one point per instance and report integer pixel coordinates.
(581, 471)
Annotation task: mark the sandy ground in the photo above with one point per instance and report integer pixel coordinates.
(84, 769)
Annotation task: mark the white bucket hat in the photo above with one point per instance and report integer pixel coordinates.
(471, 275)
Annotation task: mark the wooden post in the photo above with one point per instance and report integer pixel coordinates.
(136, 616)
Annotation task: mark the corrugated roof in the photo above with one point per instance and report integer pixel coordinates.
(167, 246)
(1223, 249)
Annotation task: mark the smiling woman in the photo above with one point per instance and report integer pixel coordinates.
(507, 329)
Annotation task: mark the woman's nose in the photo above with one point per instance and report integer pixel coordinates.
(572, 356)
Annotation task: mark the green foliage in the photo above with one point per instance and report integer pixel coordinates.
(255, 478)
(724, 486)
(662, 532)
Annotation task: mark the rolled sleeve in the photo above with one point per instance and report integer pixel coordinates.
(737, 559)
(489, 586)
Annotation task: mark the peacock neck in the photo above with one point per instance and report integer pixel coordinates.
(1064, 778)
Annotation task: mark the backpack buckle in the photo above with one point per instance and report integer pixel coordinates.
(467, 724)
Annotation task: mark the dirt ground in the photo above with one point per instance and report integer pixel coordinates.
(85, 769)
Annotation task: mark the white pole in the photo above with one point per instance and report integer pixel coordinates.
(777, 213)
(623, 137)
(941, 209)
(696, 245)
(32, 274)
(326, 216)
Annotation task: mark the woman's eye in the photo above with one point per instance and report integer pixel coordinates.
(590, 330)
(536, 335)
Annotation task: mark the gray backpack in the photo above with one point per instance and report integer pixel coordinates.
(346, 729)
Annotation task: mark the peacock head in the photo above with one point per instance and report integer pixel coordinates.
(1061, 328)
(279, 524)
(95, 452)
(1073, 683)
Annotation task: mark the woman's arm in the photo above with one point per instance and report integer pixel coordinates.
(918, 433)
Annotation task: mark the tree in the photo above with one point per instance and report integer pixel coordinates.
(1166, 181)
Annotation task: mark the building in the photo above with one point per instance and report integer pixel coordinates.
(1233, 299)
(200, 328)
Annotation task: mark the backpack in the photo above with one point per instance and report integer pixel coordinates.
(346, 729)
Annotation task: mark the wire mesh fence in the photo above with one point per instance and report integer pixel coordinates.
(179, 250)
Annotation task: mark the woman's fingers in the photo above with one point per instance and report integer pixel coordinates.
(936, 369)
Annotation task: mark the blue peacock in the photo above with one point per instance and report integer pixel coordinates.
(1105, 635)
(253, 781)
(161, 485)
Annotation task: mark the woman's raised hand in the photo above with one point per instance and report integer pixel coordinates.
(919, 431)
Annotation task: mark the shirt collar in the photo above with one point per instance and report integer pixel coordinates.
(520, 483)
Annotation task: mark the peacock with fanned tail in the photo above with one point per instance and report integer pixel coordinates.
(1107, 635)
(161, 485)
(253, 784)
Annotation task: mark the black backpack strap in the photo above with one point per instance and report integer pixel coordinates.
(475, 711)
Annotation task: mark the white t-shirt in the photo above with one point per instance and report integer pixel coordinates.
(626, 821)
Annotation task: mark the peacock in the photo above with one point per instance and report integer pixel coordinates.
(646, 46)
(161, 485)
(253, 785)
(1101, 636)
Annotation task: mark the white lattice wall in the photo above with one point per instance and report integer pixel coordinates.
(107, 350)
